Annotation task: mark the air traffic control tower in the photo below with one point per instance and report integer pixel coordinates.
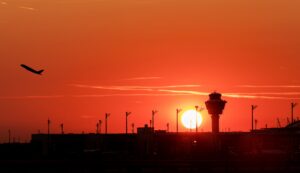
(215, 106)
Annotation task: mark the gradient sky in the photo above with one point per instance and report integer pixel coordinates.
(137, 55)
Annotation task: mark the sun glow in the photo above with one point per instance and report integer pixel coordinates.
(189, 119)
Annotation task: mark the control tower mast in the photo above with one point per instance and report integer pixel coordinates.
(215, 106)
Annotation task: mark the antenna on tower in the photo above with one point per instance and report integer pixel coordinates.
(293, 105)
(153, 114)
(253, 107)
(278, 123)
(106, 118)
(177, 113)
(127, 114)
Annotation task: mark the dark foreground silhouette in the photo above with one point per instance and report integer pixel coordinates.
(270, 150)
(39, 72)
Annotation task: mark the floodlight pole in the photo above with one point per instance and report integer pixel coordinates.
(127, 114)
(153, 114)
(292, 110)
(196, 107)
(253, 107)
(106, 118)
(177, 114)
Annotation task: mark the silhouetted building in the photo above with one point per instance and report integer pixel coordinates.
(215, 106)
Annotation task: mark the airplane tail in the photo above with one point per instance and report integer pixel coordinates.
(40, 72)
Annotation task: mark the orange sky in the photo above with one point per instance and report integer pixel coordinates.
(137, 55)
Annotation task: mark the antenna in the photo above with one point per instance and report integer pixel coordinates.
(288, 120)
(62, 128)
(293, 105)
(278, 123)
(153, 114)
(132, 126)
(106, 118)
(177, 113)
(127, 114)
(253, 107)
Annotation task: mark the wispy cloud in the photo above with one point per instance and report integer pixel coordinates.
(27, 8)
(185, 92)
(268, 86)
(3, 3)
(132, 88)
(32, 97)
(270, 93)
(126, 95)
(143, 78)
(167, 92)
(177, 90)
(230, 95)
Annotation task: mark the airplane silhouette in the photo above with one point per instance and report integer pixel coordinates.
(32, 70)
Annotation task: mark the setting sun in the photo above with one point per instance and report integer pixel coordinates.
(189, 119)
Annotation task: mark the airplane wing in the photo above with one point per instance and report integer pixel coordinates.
(31, 69)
